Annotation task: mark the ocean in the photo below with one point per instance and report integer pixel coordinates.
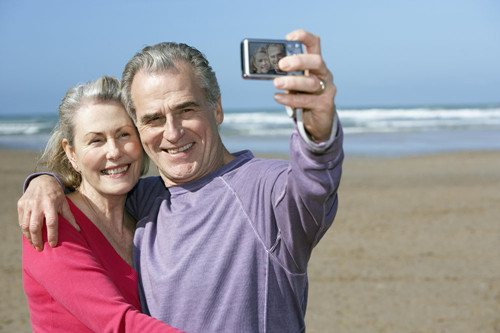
(373, 131)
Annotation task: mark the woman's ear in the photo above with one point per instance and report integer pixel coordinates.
(70, 154)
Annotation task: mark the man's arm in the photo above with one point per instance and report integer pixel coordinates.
(42, 201)
(307, 196)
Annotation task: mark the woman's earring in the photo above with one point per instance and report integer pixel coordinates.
(75, 165)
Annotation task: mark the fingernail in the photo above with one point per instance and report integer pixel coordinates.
(278, 98)
(283, 64)
(52, 244)
(279, 83)
(37, 248)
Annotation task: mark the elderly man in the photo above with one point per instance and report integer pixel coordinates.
(223, 240)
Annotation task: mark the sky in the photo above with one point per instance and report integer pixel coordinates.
(382, 53)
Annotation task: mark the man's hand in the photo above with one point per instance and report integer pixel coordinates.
(318, 104)
(43, 199)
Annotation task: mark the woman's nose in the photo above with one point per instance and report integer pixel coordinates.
(114, 151)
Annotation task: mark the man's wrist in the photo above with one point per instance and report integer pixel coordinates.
(317, 147)
(34, 175)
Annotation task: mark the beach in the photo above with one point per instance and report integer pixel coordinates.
(415, 246)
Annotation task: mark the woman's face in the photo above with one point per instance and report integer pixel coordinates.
(106, 149)
(262, 63)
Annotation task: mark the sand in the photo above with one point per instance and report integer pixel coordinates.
(415, 247)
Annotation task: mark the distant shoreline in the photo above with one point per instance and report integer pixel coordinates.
(370, 130)
(364, 144)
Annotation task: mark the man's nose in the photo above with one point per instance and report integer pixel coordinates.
(173, 129)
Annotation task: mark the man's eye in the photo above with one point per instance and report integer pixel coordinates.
(153, 120)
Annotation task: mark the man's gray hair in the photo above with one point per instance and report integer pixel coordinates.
(160, 58)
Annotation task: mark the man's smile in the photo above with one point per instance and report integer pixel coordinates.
(179, 150)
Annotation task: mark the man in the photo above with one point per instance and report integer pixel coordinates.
(222, 240)
(276, 52)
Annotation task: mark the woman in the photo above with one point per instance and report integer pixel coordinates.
(259, 62)
(87, 283)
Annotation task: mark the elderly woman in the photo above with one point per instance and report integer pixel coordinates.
(87, 283)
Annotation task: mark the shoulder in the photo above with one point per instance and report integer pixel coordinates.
(256, 172)
(141, 199)
(261, 166)
(149, 181)
(70, 242)
(246, 162)
(148, 184)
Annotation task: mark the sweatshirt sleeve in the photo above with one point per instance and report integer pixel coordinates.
(305, 198)
(74, 279)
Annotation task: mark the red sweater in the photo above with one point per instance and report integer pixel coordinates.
(83, 285)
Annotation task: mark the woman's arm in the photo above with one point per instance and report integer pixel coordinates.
(74, 278)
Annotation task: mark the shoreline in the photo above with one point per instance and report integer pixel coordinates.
(414, 247)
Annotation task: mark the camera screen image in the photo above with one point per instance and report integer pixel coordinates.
(261, 57)
(265, 57)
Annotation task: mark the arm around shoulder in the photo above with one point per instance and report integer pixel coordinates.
(43, 200)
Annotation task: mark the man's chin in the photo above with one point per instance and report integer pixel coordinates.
(179, 176)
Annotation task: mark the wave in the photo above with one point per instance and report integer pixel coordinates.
(270, 129)
(27, 125)
(422, 113)
(369, 120)
(24, 128)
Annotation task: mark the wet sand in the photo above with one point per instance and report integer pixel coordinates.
(415, 247)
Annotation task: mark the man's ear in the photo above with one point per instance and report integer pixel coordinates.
(219, 113)
(70, 154)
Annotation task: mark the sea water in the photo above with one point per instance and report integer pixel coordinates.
(368, 131)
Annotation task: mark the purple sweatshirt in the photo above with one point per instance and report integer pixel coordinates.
(229, 252)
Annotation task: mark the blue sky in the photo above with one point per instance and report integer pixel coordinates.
(382, 53)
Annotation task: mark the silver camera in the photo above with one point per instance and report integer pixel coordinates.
(260, 57)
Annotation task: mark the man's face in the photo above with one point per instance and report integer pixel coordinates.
(177, 126)
(275, 54)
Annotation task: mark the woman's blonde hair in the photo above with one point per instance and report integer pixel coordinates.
(104, 89)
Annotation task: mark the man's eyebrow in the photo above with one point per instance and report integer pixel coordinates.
(147, 117)
(185, 105)
(180, 106)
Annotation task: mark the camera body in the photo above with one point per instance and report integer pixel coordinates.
(259, 57)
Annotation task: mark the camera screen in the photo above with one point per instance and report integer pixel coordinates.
(264, 57)
(260, 57)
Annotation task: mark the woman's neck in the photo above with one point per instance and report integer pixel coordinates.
(101, 209)
(108, 214)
